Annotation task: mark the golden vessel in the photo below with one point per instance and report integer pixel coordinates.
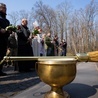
(56, 72)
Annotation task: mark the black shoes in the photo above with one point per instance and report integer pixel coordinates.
(2, 74)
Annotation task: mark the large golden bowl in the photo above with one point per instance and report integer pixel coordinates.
(56, 73)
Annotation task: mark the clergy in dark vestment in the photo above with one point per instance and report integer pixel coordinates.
(24, 46)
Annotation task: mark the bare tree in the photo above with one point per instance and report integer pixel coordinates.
(14, 17)
(82, 31)
(63, 13)
(45, 16)
(89, 16)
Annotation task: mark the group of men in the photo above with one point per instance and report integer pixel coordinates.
(27, 45)
(18, 43)
(7, 37)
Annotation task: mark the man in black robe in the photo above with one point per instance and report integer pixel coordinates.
(3, 34)
(24, 46)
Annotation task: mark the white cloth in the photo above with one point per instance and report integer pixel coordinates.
(37, 46)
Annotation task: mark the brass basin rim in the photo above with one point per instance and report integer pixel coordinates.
(57, 61)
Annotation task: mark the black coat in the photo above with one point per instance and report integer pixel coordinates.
(24, 48)
(3, 36)
(23, 35)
